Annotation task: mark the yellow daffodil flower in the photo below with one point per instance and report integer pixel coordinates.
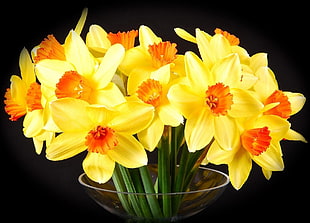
(79, 75)
(106, 133)
(258, 140)
(210, 100)
(151, 54)
(153, 91)
(24, 98)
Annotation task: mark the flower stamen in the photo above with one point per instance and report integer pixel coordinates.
(50, 48)
(101, 140)
(150, 92)
(127, 39)
(256, 141)
(219, 99)
(162, 53)
(73, 85)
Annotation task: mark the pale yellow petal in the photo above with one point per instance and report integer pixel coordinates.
(217, 155)
(129, 152)
(108, 96)
(147, 37)
(108, 66)
(98, 167)
(184, 99)
(78, 54)
(79, 26)
(239, 168)
(96, 39)
(185, 35)
(33, 123)
(199, 130)
(71, 115)
(66, 145)
(244, 104)
(26, 67)
(150, 136)
(297, 101)
(50, 71)
(258, 60)
(198, 75)
(266, 83)
(169, 115)
(293, 135)
(225, 132)
(271, 159)
(133, 117)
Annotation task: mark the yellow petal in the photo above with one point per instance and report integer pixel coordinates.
(258, 60)
(162, 74)
(108, 66)
(169, 115)
(244, 104)
(137, 76)
(79, 26)
(198, 75)
(133, 117)
(185, 35)
(267, 173)
(129, 152)
(199, 130)
(98, 167)
(77, 53)
(226, 136)
(71, 115)
(297, 101)
(66, 145)
(50, 71)
(218, 156)
(109, 96)
(147, 37)
(184, 99)
(271, 159)
(96, 39)
(266, 83)
(33, 123)
(150, 136)
(18, 90)
(239, 168)
(26, 67)
(293, 135)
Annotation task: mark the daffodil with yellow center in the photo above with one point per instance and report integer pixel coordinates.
(152, 53)
(106, 133)
(153, 91)
(79, 75)
(210, 101)
(24, 98)
(259, 141)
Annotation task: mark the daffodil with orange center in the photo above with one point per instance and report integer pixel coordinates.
(259, 141)
(24, 98)
(80, 75)
(153, 91)
(211, 101)
(152, 53)
(106, 133)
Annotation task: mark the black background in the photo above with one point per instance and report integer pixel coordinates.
(36, 189)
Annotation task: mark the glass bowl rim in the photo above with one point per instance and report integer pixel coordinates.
(222, 185)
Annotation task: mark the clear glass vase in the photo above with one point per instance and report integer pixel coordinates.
(205, 187)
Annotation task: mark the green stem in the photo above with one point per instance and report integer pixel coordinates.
(149, 188)
(164, 180)
(132, 198)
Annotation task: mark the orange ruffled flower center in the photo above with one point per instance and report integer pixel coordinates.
(233, 40)
(17, 110)
(73, 85)
(101, 140)
(127, 39)
(256, 141)
(219, 99)
(150, 92)
(50, 48)
(162, 53)
(283, 109)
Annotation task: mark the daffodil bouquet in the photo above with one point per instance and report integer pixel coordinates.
(117, 99)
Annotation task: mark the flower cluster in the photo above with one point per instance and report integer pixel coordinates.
(114, 98)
